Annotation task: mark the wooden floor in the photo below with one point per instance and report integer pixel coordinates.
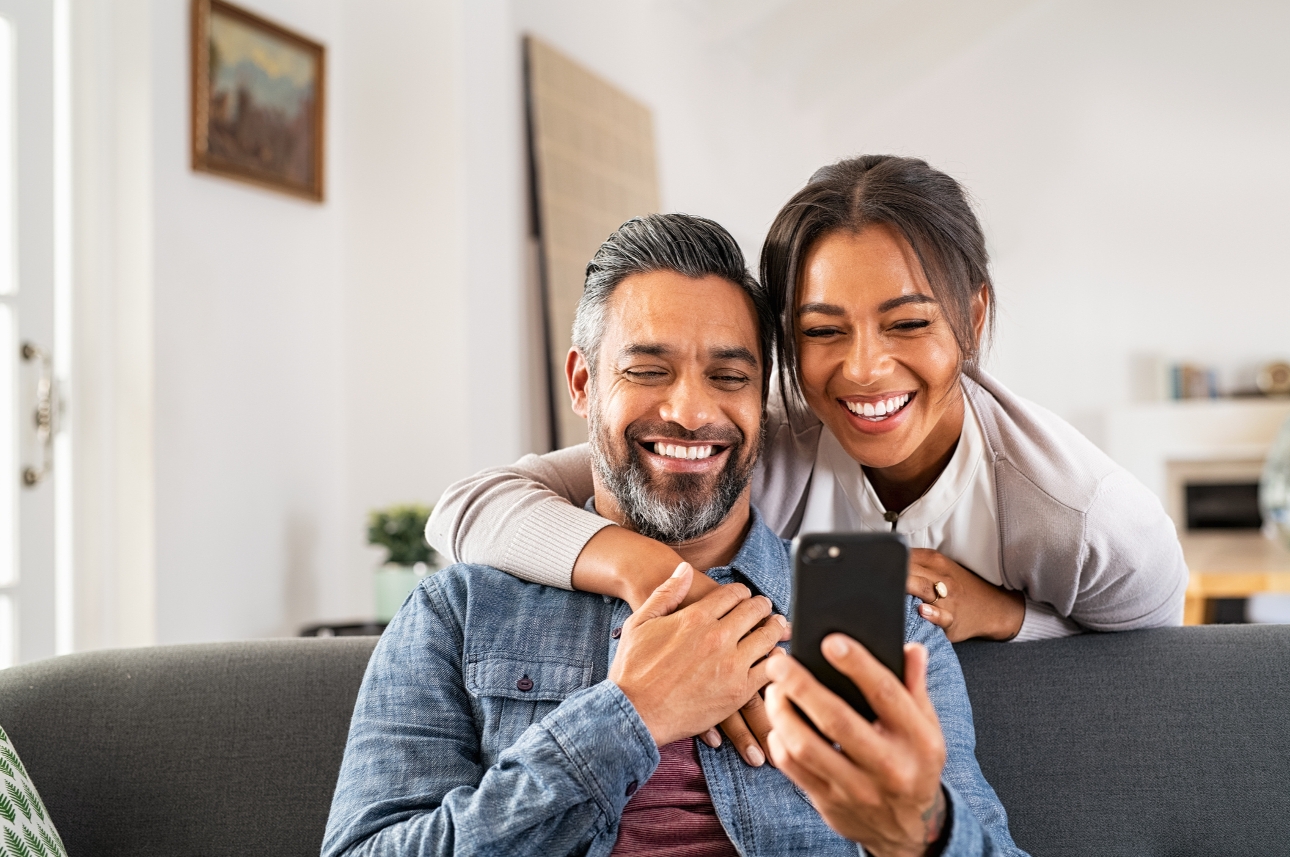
(1231, 565)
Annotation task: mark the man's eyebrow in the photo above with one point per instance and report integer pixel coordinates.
(735, 352)
(654, 349)
(645, 349)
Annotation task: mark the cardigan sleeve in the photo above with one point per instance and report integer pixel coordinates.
(1115, 565)
(1133, 574)
(1042, 622)
(526, 519)
(1084, 539)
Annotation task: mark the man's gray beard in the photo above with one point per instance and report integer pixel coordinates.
(686, 512)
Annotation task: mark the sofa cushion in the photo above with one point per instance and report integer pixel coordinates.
(217, 749)
(1162, 742)
(25, 824)
(1145, 743)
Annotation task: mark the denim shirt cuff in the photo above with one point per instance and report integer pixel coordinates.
(967, 838)
(609, 745)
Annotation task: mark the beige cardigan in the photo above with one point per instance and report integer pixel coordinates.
(1087, 543)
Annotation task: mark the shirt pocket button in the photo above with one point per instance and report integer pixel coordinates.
(631, 788)
(525, 684)
(617, 632)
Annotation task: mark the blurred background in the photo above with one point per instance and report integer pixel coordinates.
(246, 374)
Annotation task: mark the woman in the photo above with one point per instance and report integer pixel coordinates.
(882, 419)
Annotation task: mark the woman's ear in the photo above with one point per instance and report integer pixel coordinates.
(980, 312)
(578, 375)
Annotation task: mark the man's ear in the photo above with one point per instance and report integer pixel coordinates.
(578, 375)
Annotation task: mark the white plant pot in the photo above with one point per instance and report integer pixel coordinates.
(393, 583)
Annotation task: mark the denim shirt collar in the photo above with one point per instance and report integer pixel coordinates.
(762, 560)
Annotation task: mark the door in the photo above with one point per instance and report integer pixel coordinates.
(28, 396)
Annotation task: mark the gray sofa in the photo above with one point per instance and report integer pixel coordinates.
(1146, 743)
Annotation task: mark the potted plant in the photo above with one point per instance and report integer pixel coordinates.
(401, 531)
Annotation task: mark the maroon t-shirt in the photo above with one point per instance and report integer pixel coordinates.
(672, 814)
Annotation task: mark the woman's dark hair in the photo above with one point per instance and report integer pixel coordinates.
(926, 206)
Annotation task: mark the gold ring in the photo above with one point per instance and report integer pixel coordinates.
(941, 592)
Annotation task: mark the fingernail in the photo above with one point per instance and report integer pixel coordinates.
(835, 645)
(755, 756)
(680, 569)
(927, 610)
(712, 738)
(783, 623)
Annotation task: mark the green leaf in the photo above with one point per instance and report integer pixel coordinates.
(53, 843)
(33, 843)
(401, 531)
(36, 805)
(24, 806)
(7, 769)
(50, 837)
(16, 846)
(52, 840)
(9, 754)
(6, 809)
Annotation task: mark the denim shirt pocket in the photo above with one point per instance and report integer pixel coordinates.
(513, 691)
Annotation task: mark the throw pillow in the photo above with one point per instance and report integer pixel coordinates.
(26, 829)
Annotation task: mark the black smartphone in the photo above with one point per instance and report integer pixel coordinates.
(854, 584)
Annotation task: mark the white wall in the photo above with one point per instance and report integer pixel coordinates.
(437, 314)
(315, 361)
(1128, 159)
(405, 307)
(249, 301)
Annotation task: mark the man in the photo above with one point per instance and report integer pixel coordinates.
(504, 717)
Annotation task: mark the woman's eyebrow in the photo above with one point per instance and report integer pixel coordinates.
(903, 300)
(822, 309)
(885, 306)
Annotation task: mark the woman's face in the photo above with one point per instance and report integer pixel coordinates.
(879, 363)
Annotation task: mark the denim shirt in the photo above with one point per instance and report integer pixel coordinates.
(485, 724)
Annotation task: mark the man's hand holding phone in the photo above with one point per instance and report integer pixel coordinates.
(883, 789)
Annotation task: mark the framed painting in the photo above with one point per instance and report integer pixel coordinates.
(259, 91)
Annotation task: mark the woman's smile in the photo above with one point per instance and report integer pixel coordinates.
(879, 364)
(878, 414)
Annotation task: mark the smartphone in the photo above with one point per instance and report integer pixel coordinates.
(854, 584)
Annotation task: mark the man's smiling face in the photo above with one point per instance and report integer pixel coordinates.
(675, 404)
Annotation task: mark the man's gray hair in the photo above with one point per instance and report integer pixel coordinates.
(688, 245)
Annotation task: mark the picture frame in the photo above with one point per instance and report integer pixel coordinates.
(258, 101)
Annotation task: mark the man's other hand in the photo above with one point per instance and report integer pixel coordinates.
(883, 789)
(686, 669)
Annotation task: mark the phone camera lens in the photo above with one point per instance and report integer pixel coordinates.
(822, 553)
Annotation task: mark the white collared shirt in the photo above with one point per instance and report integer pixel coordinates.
(958, 515)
